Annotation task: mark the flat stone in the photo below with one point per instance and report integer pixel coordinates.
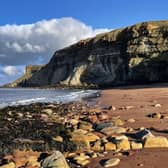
(9, 165)
(58, 139)
(156, 142)
(109, 146)
(83, 162)
(103, 125)
(123, 145)
(111, 162)
(109, 131)
(47, 111)
(136, 145)
(84, 139)
(131, 120)
(85, 126)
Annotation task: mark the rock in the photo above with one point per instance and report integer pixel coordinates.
(58, 139)
(109, 131)
(123, 145)
(93, 119)
(131, 120)
(129, 107)
(165, 116)
(155, 142)
(157, 105)
(55, 160)
(82, 139)
(83, 162)
(47, 111)
(136, 145)
(111, 162)
(117, 138)
(103, 116)
(103, 125)
(117, 122)
(74, 121)
(9, 165)
(82, 159)
(33, 162)
(155, 115)
(97, 146)
(144, 133)
(85, 126)
(109, 146)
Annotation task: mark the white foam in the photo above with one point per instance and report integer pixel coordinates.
(59, 97)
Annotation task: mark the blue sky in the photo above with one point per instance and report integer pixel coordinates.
(31, 30)
(98, 13)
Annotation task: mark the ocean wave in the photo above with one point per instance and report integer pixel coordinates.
(57, 96)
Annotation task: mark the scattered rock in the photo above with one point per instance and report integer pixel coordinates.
(82, 159)
(109, 131)
(58, 139)
(9, 165)
(103, 116)
(155, 142)
(111, 162)
(103, 125)
(83, 138)
(55, 160)
(136, 145)
(157, 105)
(144, 133)
(109, 146)
(155, 115)
(97, 146)
(47, 111)
(131, 120)
(117, 122)
(123, 145)
(85, 125)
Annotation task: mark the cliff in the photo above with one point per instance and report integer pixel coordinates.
(30, 70)
(136, 54)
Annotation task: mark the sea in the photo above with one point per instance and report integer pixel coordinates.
(24, 96)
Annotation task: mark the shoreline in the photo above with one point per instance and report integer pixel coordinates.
(75, 128)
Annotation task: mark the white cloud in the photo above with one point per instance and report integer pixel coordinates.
(35, 43)
(10, 70)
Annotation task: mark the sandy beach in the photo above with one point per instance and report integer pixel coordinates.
(86, 132)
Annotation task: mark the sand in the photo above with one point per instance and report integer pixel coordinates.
(143, 99)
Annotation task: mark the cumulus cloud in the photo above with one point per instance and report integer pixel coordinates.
(10, 70)
(35, 43)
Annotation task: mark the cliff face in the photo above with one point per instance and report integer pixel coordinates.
(136, 54)
(30, 70)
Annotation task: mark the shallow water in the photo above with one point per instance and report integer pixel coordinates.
(21, 96)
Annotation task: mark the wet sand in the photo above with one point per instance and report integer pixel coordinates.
(143, 101)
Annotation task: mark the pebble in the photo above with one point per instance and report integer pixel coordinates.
(131, 120)
(157, 105)
(111, 162)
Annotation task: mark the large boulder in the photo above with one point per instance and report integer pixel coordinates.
(156, 142)
(55, 160)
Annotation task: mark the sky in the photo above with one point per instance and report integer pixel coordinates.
(32, 30)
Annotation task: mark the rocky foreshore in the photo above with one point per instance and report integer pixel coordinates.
(78, 134)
